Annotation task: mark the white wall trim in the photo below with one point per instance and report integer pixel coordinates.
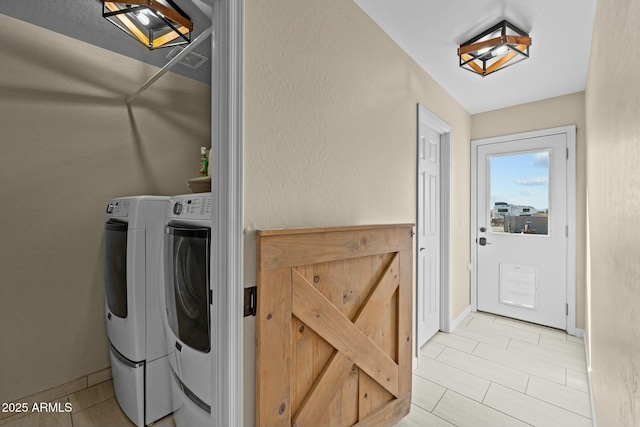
(456, 322)
(579, 333)
(444, 129)
(445, 232)
(226, 188)
(572, 223)
(570, 131)
(589, 379)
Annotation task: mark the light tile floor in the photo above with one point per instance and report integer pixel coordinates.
(95, 406)
(493, 371)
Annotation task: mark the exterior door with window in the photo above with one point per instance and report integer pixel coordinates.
(521, 234)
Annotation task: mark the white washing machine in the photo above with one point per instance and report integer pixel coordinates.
(138, 345)
(187, 300)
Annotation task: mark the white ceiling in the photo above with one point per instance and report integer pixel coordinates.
(430, 31)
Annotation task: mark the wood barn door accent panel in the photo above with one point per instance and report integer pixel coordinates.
(334, 325)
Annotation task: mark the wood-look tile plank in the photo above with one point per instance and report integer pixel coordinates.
(486, 369)
(425, 393)
(531, 410)
(42, 419)
(464, 412)
(490, 338)
(455, 341)
(566, 346)
(98, 377)
(522, 362)
(418, 417)
(542, 330)
(107, 413)
(577, 380)
(431, 349)
(52, 394)
(447, 376)
(88, 397)
(466, 320)
(560, 395)
(550, 355)
(575, 339)
(506, 330)
(35, 416)
(481, 315)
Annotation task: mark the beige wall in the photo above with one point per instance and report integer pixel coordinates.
(613, 185)
(549, 113)
(68, 145)
(330, 132)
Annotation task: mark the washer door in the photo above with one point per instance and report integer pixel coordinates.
(115, 266)
(187, 287)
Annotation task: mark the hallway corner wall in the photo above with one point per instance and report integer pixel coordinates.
(331, 133)
(613, 187)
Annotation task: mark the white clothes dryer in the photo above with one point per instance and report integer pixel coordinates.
(137, 342)
(186, 298)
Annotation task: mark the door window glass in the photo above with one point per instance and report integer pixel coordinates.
(519, 190)
(187, 287)
(115, 267)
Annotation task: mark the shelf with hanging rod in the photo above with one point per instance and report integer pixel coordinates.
(203, 36)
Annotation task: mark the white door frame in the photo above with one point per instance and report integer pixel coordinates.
(570, 131)
(440, 126)
(226, 226)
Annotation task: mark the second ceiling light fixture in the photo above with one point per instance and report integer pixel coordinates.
(496, 48)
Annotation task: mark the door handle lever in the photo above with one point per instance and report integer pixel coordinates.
(483, 241)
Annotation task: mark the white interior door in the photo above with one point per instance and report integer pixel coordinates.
(428, 233)
(521, 235)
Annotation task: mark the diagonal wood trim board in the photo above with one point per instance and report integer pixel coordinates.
(334, 326)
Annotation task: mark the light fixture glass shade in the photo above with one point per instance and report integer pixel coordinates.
(498, 47)
(152, 23)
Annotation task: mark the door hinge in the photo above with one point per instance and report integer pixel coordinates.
(567, 154)
(566, 231)
(250, 301)
(566, 309)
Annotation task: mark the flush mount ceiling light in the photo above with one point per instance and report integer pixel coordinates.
(152, 23)
(499, 47)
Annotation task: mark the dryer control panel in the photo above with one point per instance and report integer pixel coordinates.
(191, 207)
(118, 208)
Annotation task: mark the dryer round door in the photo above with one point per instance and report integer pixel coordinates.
(187, 284)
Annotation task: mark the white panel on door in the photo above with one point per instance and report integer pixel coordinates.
(433, 270)
(433, 206)
(433, 152)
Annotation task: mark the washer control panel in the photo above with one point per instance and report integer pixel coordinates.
(118, 208)
(194, 207)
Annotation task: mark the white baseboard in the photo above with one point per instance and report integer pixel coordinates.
(579, 333)
(586, 352)
(460, 318)
(414, 364)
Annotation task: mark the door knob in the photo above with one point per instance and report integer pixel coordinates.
(422, 249)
